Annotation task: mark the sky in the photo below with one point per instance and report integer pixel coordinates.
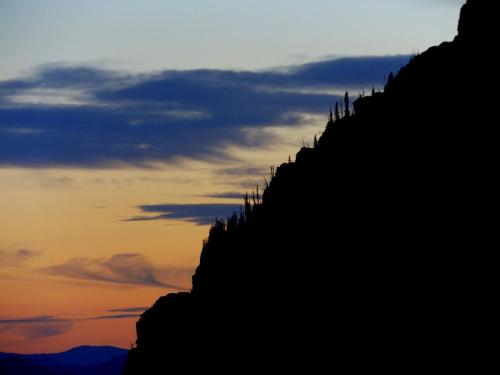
(127, 126)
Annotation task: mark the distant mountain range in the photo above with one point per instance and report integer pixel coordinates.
(82, 360)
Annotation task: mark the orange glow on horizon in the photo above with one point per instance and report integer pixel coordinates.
(63, 238)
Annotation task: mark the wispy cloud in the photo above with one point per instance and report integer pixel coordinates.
(57, 182)
(129, 309)
(127, 268)
(37, 331)
(33, 319)
(225, 195)
(201, 214)
(22, 131)
(36, 327)
(17, 258)
(112, 317)
(242, 171)
(122, 119)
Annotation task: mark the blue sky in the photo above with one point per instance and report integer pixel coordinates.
(100, 83)
(238, 34)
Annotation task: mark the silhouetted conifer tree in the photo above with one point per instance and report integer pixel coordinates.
(337, 113)
(232, 222)
(242, 216)
(347, 112)
(248, 206)
(390, 79)
(315, 141)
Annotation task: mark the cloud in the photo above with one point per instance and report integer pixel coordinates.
(242, 171)
(129, 309)
(52, 319)
(127, 268)
(200, 214)
(83, 116)
(37, 331)
(34, 319)
(22, 131)
(36, 327)
(17, 258)
(57, 182)
(225, 195)
(111, 317)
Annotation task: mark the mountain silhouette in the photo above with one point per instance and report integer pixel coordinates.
(359, 254)
(83, 360)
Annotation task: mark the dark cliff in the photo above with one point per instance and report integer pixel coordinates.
(359, 253)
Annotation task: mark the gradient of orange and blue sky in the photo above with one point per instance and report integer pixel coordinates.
(127, 126)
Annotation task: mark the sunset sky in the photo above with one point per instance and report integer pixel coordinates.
(127, 126)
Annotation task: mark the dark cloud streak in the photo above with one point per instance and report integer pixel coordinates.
(112, 317)
(34, 319)
(225, 195)
(38, 327)
(200, 214)
(129, 309)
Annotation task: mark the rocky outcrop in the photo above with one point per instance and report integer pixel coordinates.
(360, 254)
(478, 21)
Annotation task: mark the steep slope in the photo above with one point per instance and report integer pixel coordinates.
(355, 254)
